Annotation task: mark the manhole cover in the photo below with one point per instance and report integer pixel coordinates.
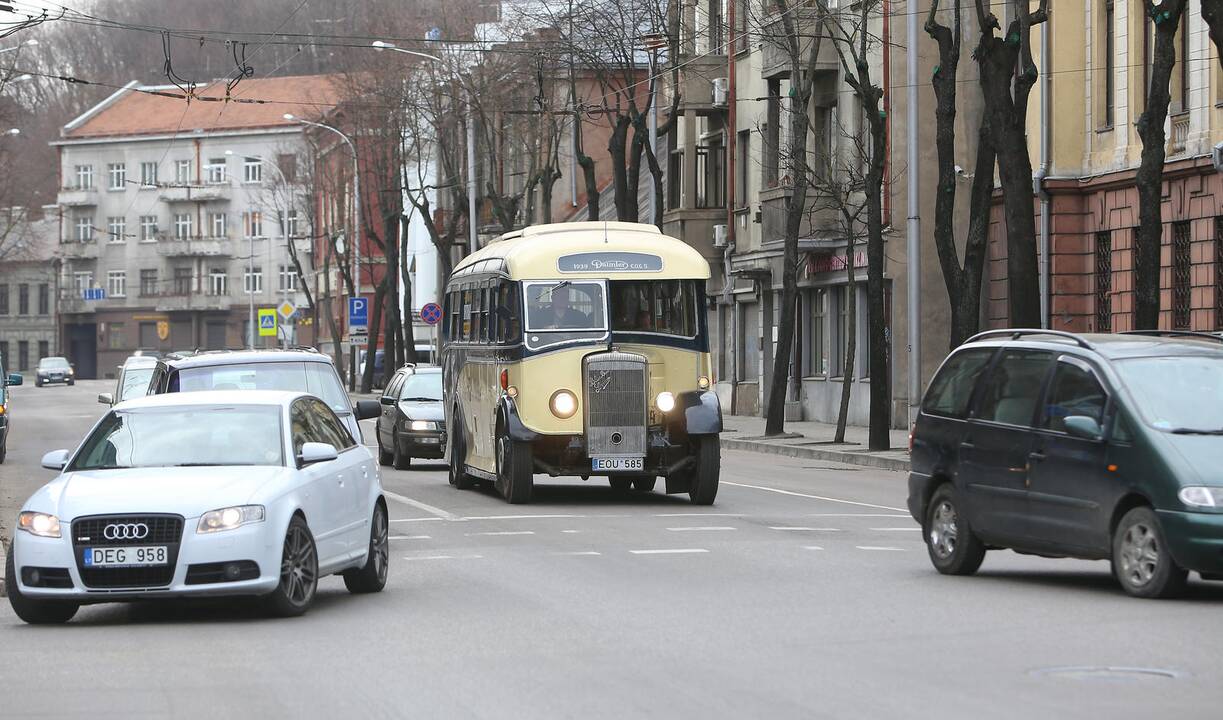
(1108, 673)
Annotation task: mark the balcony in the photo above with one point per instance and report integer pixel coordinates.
(696, 80)
(195, 247)
(193, 301)
(819, 228)
(72, 250)
(76, 305)
(1178, 141)
(193, 193)
(775, 59)
(77, 197)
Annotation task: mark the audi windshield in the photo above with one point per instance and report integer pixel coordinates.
(204, 435)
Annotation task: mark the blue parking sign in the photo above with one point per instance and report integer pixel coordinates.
(358, 312)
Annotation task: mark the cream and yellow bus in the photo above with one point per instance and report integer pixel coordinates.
(581, 350)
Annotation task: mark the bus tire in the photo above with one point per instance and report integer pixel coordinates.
(515, 469)
(458, 454)
(703, 481)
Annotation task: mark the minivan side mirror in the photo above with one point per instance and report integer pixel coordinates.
(55, 460)
(106, 398)
(367, 409)
(13, 379)
(316, 452)
(1081, 426)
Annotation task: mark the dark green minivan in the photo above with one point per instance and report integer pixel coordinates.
(1065, 445)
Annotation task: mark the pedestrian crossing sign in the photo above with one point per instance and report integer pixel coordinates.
(267, 322)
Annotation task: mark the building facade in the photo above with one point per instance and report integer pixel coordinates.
(176, 219)
(28, 287)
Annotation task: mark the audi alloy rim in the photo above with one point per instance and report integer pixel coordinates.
(299, 567)
(1140, 554)
(380, 544)
(943, 531)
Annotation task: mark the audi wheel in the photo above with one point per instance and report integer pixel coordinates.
(298, 572)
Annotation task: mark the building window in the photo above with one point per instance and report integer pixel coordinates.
(183, 172)
(44, 348)
(252, 280)
(23, 299)
(675, 179)
(148, 282)
(252, 224)
(252, 170)
(772, 134)
(116, 336)
(743, 160)
(44, 299)
(116, 283)
(218, 282)
(1218, 273)
(840, 327)
(3, 299)
(288, 278)
(148, 228)
(216, 170)
(118, 176)
(291, 224)
(816, 356)
(182, 281)
(23, 355)
(84, 229)
(116, 229)
(1104, 282)
(217, 224)
(287, 163)
(148, 174)
(1182, 61)
(741, 35)
(1110, 48)
(183, 225)
(1182, 277)
(82, 281)
(84, 177)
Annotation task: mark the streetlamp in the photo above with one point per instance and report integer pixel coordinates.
(471, 146)
(250, 260)
(28, 43)
(13, 131)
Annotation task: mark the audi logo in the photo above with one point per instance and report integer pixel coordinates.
(125, 531)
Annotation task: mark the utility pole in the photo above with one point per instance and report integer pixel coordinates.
(913, 219)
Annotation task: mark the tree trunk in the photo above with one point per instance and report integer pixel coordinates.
(409, 326)
(375, 326)
(851, 340)
(966, 317)
(879, 435)
(617, 150)
(337, 347)
(1149, 179)
(1212, 13)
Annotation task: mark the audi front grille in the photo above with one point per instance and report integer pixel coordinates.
(162, 530)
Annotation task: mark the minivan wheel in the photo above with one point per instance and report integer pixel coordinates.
(953, 547)
(1141, 561)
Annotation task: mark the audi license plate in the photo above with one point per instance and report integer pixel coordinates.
(126, 556)
(619, 464)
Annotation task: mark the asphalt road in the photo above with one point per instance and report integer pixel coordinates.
(804, 592)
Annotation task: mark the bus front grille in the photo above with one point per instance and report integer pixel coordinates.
(615, 404)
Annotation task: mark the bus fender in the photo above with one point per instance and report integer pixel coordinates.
(702, 412)
(508, 410)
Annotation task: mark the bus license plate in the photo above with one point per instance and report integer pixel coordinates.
(126, 556)
(630, 464)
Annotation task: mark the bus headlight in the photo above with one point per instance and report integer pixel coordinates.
(665, 402)
(563, 403)
(702, 382)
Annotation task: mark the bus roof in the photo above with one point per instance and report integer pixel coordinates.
(612, 250)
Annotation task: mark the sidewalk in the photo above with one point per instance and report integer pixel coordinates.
(814, 440)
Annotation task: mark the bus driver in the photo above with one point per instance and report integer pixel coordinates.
(557, 314)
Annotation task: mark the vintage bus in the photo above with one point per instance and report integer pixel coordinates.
(581, 350)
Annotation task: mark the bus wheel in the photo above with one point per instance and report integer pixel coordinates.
(703, 481)
(515, 470)
(458, 454)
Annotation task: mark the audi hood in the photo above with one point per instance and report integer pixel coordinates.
(186, 491)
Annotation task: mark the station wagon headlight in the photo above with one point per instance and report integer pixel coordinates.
(229, 518)
(665, 402)
(40, 524)
(1202, 496)
(563, 403)
(422, 425)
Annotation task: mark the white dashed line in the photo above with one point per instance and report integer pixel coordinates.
(505, 532)
(519, 517)
(409, 537)
(428, 519)
(709, 528)
(870, 515)
(569, 532)
(786, 528)
(673, 551)
(813, 497)
(904, 529)
(883, 548)
(445, 557)
(577, 553)
(812, 547)
(443, 514)
(698, 514)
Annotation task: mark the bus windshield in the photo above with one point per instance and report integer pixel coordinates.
(666, 307)
(565, 306)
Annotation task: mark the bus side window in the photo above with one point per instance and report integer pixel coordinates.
(485, 335)
(444, 328)
(490, 304)
(507, 312)
(467, 311)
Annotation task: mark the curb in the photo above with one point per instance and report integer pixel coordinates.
(850, 458)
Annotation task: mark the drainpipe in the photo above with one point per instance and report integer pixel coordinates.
(1043, 172)
(732, 136)
(913, 220)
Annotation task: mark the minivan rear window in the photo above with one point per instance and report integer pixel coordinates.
(951, 390)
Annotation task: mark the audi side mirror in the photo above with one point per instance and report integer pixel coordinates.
(316, 452)
(106, 398)
(55, 460)
(1084, 427)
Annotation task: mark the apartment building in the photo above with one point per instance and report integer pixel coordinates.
(28, 288)
(176, 218)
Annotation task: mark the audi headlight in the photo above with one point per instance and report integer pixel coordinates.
(665, 402)
(1211, 497)
(40, 524)
(563, 403)
(423, 425)
(229, 518)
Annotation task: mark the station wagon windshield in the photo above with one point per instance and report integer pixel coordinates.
(203, 435)
(1177, 394)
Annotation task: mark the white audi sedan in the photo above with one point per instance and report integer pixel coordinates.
(193, 494)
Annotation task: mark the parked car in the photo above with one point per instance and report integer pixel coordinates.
(413, 420)
(5, 381)
(301, 370)
(1088, 446)
(133, 380)
(194, 494)
(54, 370)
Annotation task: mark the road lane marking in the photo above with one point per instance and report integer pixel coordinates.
(443, 514)
(569, 532)
(409, 537)
(445, 557)
(870, 515)
(905, 529)
(707, 528)
(577, 553)
(506, 532)
(428, 519)
(883, 548)
(698, 514)
(802, 529)
(813, 497)
(812, 547)
(518, 517)
(670, 551)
